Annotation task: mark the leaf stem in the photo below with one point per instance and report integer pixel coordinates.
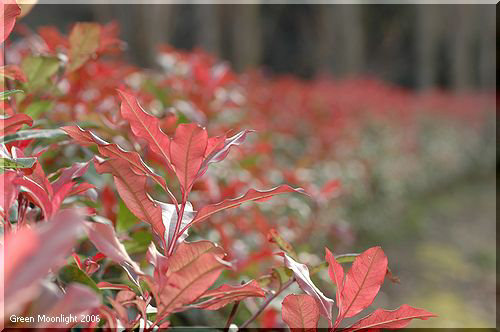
(267, 302)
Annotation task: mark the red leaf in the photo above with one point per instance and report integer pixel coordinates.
(113, 151)
(300, 312)
(218, 148)
(37, 195)
(192, 269)
(391, 319)
(8, 12)
(104, 239)
(250, 195)
(133, 190)
(13, 72)
(226, 294)
(336, 273)
(145, 126)
(68, 174)
(108, 285)
(13, 123)
(32, 252)
(187, 151)
(301, 273)
(362, 282)
(9, 191)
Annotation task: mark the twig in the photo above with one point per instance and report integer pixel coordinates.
(267, 302)
(231, 316)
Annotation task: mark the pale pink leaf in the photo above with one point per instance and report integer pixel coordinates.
(32, 252)
(301, 274)
(78, 299)
(9, 11)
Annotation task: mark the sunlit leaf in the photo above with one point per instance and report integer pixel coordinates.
(391, 319)
(300, 312)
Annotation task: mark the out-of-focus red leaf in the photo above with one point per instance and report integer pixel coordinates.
(250, 195)
(31, 252)
(83, 43)
(145, 126)
(77, 300)
(336, 273)
(104, 238)
(13, 123)
(13, 72)
(113, 151)
(274, 237)
(269, 318)
(301, 273)
(329, 189)
(9, 190)
(192, 269)
(187, 151)
(8, 13)
(52, 38)
(226, 294)
(362, 282)
(390, 319)
(133, 190)
(109, 204)
(300, 312)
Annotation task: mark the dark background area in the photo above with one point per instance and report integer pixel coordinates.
(417, 46)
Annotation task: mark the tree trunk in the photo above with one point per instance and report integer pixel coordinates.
(247, 36)
(427, 38)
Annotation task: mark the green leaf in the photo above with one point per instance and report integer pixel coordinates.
(37, 108)
(139, 243)
(83, 43)
(342, 259)
(38, 71)
(16, 163)
(5, 94)
(71, 273)
(33, 134)
(125, 219)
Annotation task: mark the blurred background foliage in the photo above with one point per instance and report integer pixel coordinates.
(417, 166)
